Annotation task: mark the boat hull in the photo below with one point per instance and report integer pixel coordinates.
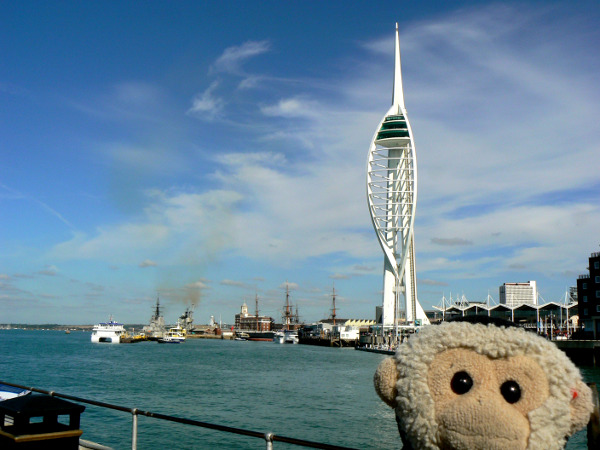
(258, 335)
(106, 339)
(286, 337)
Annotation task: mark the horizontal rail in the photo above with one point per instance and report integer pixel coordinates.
(265, 436)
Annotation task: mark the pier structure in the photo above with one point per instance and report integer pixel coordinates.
(392, 202)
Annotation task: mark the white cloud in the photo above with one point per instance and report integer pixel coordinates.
(542, 239)
(233, 283)
(233, 57)
(339, 276)
(207, 105)
(292, 108)
(148, 263)
(289, 285)
(115, 243)
(179, 226)
(197, 285)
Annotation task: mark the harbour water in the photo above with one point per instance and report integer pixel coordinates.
(314, 393)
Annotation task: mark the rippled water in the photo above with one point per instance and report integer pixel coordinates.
(312, 393)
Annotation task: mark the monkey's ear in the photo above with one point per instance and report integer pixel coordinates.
(385, 381)
(582, 405)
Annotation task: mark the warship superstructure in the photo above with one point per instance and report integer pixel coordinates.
(156, 329)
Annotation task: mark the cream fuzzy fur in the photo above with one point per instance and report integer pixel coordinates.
(549, 424)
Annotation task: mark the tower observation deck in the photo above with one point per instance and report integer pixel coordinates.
(392, 201)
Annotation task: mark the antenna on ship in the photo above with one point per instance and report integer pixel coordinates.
(157, 311)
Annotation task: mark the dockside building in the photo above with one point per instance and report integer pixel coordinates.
(514, 294)
(588, 294)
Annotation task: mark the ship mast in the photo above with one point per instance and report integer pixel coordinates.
(157, 310)
(256, 302)
(333, 315)
(288, 313)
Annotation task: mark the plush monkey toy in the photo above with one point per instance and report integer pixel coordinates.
(483, 383)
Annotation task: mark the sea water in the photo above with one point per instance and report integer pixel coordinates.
(313, 393)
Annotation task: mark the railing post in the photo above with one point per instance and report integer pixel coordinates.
(134, 429)
(269, 439)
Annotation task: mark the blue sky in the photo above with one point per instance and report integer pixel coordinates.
(211, 151)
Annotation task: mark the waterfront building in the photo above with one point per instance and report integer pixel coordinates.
(392, 201)
(244, 321)
(588, 294)
(573, 293)
(514, 294)
(551, 318)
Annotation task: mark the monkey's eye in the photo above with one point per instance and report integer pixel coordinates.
(461, 383)
(511, 391)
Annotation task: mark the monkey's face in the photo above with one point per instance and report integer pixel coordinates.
(482, 402)
(464, 385)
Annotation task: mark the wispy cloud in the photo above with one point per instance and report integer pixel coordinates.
(19, 195)
(49, 270)
(210, 104)
(292, 108)
(148, 263)
(233, 283)
(450, 241)
(339, 276)
(289, 285)
(233, 57)
(188, 226)
(207, 105)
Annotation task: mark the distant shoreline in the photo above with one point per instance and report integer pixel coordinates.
(58, 327)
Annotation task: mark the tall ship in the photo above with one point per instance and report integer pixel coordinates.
(156, 329)
(289, 332)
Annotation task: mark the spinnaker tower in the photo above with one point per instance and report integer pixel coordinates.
(392, 201)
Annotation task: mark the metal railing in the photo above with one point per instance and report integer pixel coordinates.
(268, 437)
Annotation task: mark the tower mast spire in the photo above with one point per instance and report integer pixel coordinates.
(398, 96)
(392, 201)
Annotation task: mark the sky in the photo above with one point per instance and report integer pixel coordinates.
(214, 152)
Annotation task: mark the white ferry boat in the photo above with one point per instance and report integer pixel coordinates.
(291, 337)
(110, 332)
(286, 337)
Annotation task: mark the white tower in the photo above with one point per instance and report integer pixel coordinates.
(392, 199)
